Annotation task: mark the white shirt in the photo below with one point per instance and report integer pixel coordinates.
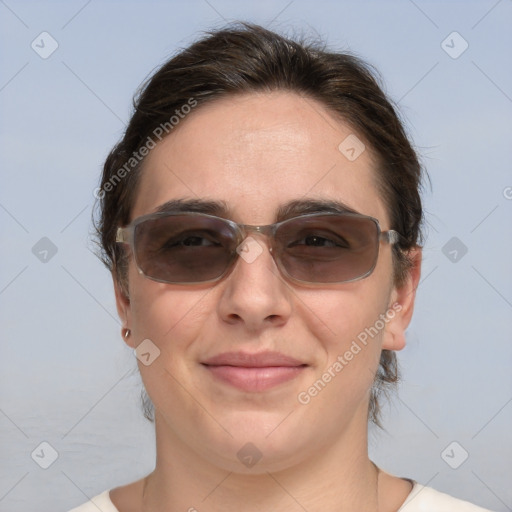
(421, 499)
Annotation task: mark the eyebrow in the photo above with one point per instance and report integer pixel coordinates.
(285, 211)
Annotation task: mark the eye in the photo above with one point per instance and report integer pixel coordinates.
(184, 240)
(327, 241)
(193, 241)
(317, 241)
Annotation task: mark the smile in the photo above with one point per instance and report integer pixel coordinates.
(254, 372)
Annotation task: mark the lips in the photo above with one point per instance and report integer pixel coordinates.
(254, 372)
(246, 360)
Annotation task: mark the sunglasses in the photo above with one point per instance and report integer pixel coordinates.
(190, 248)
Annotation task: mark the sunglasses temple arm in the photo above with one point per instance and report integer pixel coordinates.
(392, 237)
(123, 235)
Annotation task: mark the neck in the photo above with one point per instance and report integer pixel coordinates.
(340, 478)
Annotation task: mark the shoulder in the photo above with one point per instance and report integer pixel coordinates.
(101, 502)
(426, 499)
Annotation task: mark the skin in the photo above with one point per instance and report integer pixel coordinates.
(257, 152)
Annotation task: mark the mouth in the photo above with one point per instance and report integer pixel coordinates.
(254, 372)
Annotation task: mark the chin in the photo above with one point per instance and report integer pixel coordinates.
(261, 442)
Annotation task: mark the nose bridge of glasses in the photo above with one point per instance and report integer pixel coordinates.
(263, 230)
(266, 231)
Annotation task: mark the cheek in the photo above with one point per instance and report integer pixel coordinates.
(337, 317)
(172, 320)
(158, 310)
(342, 314)
(348, 326)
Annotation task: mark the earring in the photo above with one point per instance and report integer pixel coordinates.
(126, 333)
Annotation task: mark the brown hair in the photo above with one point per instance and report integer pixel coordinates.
(245, 58)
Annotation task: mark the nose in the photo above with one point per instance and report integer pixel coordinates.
(254, 294)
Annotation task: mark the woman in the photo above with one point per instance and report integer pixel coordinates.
(261, 218)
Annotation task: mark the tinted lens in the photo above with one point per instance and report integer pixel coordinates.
(184, 248)
(328, 248)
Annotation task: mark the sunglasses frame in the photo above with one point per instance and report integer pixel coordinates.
(126, 235)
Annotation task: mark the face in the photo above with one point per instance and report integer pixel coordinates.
(255, 154)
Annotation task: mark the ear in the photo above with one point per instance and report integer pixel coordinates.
(123, 307)
(402, 302)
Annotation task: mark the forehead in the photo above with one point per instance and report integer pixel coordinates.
(257, 152)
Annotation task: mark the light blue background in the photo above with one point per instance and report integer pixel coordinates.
(66, 376)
